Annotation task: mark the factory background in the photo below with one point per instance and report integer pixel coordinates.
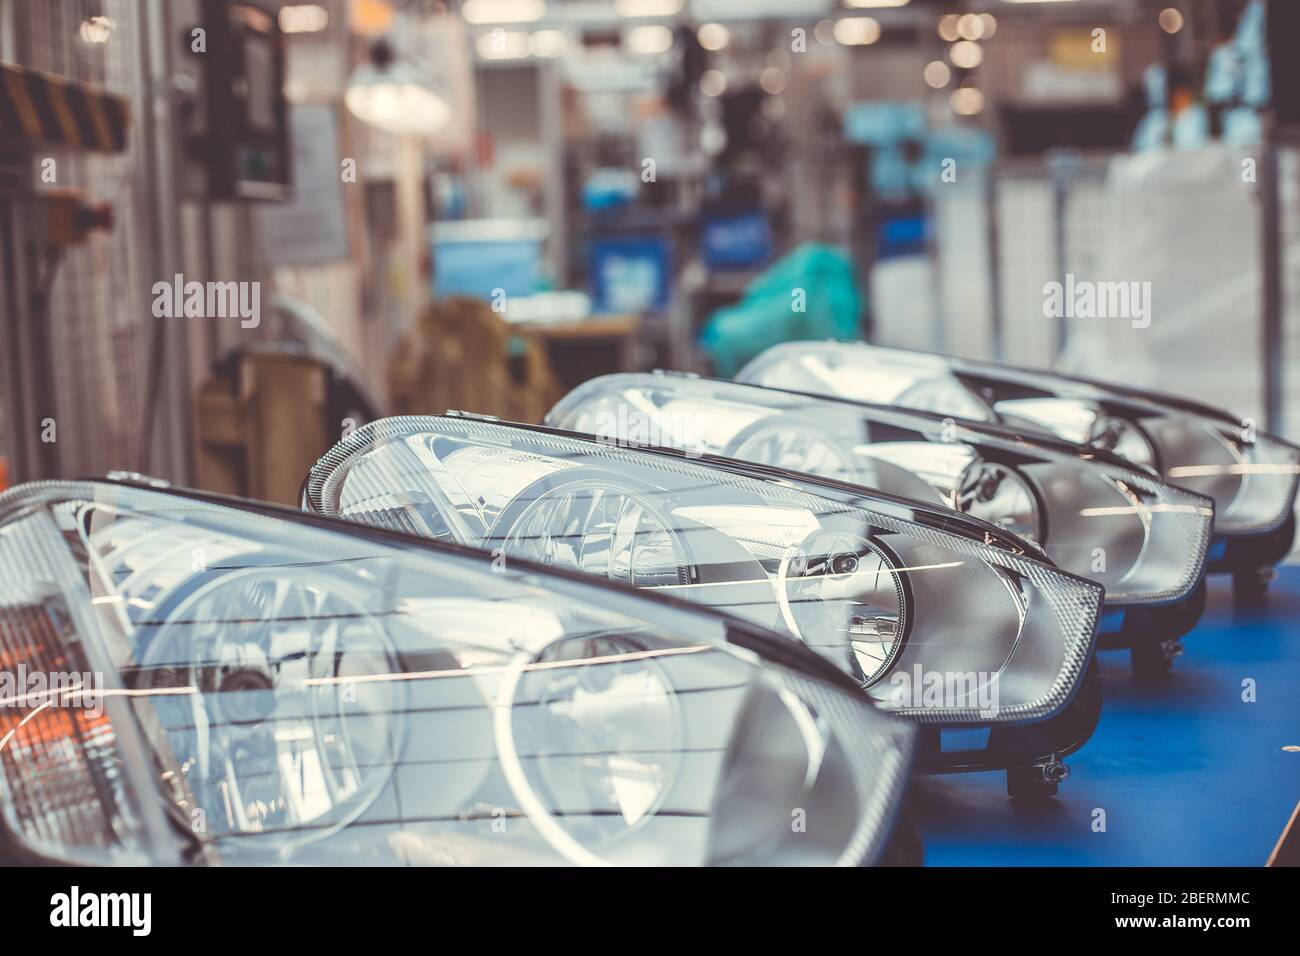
(575, 187)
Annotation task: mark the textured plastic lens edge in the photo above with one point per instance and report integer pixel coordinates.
(886, 754)
(1076, 604)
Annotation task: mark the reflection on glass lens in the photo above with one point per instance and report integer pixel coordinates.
(598, 733)
(1122, 437)
(996, 494)
(272, 735)
(794, 447)
(943, 395)
(590, 527)
(843, 597)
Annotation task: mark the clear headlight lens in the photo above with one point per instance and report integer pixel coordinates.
(1143, 540)
(909, 379)
(1081, 422)
(834, 572)
(1122, 437)
(882, 587)
(256, 689)
(792, 445)
(1252, 482)
(592, 526)
(1252, 479)
(996, 494)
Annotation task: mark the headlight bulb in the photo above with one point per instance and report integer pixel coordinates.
(842, 596)
(996, 494)
(1123, 438)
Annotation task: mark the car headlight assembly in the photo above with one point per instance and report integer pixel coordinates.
(892, 591)
(207, 682)
(1092, 514)
(1251, 476)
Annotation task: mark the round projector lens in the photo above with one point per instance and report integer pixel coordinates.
(996, 494)
(842, 596)
(1123, 438)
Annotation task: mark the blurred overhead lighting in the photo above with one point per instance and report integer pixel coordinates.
(503, 11)
(713, 36)
(937, 74)
(547, 43)
(647, 8)
(965, 55)
(772, 80)
(1170, 20)
(990, 24)
(970, 26)
(713, 83)
(96, 29)
(857, 31)
(871, 4)
(303, 18)
(948, 28)
(713, 139)
(824, 32)
(967, 101)
(393, 96)
(648, 39)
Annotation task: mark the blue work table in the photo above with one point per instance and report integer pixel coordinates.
(1188, 774)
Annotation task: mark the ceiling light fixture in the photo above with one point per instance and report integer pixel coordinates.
(393, 95)
(503, 11)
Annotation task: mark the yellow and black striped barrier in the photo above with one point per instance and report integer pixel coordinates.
(43, 108)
